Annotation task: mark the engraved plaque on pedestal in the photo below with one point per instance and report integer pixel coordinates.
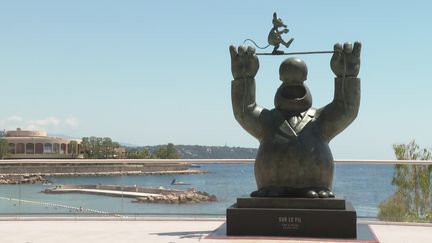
(325, 218)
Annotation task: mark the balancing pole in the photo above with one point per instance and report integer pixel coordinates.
(295, 53)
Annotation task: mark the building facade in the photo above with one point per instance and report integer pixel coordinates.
(38, 145)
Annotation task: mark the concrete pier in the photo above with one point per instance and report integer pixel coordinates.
(109, 193)
(141, 194)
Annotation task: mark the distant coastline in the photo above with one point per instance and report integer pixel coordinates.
(210, 152)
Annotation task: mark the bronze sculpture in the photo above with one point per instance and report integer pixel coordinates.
(294, 158)
(274, 37)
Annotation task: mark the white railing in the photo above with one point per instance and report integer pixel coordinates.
(192, 161)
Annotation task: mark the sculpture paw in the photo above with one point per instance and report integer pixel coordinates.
(312, 194)
(268, 192)
(326, 194)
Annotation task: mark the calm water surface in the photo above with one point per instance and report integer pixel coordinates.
(364, 185)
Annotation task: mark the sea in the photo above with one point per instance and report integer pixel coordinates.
(365, 185)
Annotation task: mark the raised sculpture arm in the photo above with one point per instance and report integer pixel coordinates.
(244, 66)
(337, 115)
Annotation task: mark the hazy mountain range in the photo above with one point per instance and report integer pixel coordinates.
(210, 152)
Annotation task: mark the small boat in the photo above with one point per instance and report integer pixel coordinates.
(195, 166)
(174, 182)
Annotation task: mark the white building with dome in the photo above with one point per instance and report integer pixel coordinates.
(24, 144)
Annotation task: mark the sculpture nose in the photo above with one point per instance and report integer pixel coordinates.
(293, 92)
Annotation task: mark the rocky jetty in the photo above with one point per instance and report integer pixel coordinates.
(22, 179)
(189, 196)
(35, 178)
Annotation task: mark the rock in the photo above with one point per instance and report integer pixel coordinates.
(190, 195)
(175, 198)
(23, 179)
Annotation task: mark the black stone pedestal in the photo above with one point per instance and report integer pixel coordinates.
(299, 217)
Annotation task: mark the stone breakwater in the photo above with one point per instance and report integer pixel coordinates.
(31, 173)
(189, 196)
(76, 168)
(22, 179)
(140, 194)
(41, 177)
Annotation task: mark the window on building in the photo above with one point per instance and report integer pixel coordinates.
(20, 149)
(11, 148)
(56, 148)
(39, 148)
(69, 148)
(30, 148)
(63, 148)
(48, 148)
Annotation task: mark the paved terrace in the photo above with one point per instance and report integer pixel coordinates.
(94, 230)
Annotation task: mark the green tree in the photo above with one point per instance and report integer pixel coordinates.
(74, 147)
(114, 149)
(85, 145)
(167, 152)
(4, 148)
(107, 148)
(139, 154)
(99, 148)
(412, 199)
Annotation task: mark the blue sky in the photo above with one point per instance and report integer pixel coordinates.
(153, 72)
